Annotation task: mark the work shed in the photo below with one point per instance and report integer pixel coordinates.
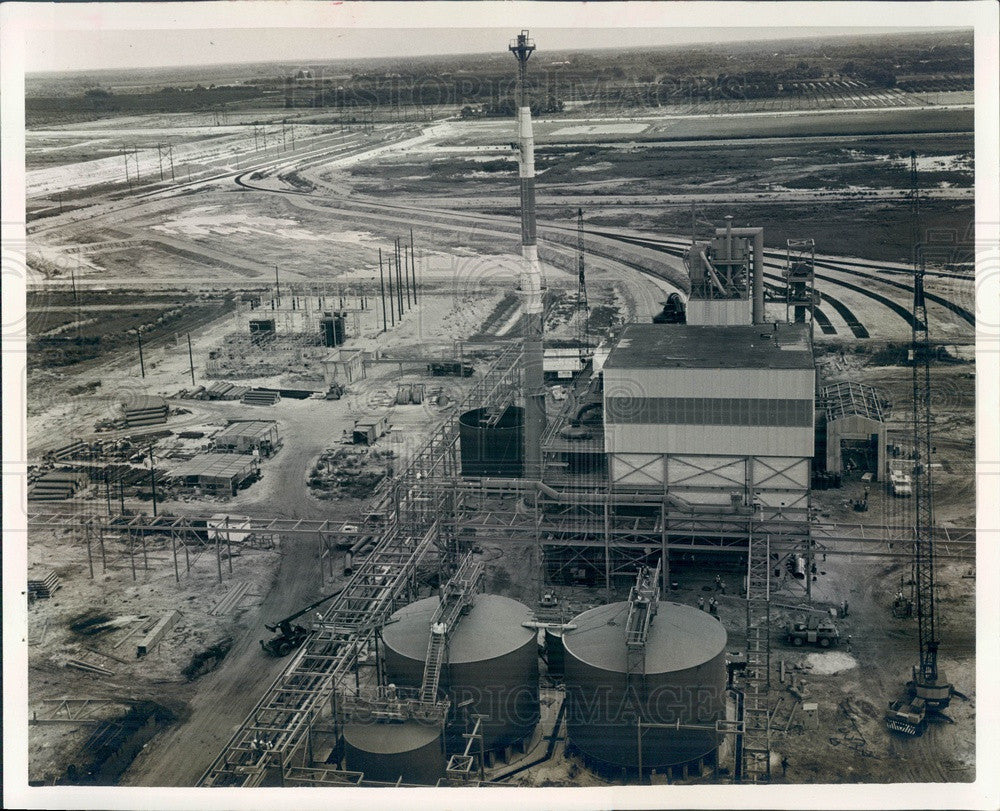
(855, 430)
(246, 436)
(219, 473)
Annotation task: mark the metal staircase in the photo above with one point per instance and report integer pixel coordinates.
(456, 598)
(436, 648)
(756, 759)
(643, 600)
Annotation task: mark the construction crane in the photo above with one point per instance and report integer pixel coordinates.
(929, 691)
(291, 635)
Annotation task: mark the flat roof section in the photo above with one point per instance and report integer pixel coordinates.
(215, 465)
(681, 346)
(252, 428)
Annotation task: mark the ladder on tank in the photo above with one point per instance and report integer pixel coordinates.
(643, 600)
(432, 667)
(756, 760)
(456, 598)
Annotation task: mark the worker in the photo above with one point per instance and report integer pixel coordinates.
(843, 608)
(718, 582)
(784, 765)
(848, 643)
(846, 609)
(713, 606)
(701, 603)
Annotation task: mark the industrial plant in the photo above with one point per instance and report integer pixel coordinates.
(633, 507)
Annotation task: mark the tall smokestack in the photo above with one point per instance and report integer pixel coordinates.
(531, 271)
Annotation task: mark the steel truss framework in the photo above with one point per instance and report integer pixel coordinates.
(429, 513)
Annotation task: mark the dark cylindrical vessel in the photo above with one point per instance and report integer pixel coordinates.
(685, 681)
(492, 449)
(555, 654)
(491, 669)
(389, 751)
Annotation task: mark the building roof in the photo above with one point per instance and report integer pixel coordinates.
(247, 428)
(214, 465)
(680, 637)
(848, 399)
(490, 629)
(676, 346)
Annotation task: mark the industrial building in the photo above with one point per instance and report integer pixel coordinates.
(217, 473)
(676, 450)
(855, 432)
(712, 415)
(247, 436)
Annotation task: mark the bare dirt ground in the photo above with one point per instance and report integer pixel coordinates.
(204, 230)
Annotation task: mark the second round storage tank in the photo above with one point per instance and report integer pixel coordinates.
(685, 681)
(492, 665)
(386, 751)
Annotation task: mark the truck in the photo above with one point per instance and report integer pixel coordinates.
(814, 630)
(901, 483)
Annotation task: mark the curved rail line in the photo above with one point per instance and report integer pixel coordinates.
(901, 311)
(958, 310)
(674, 248)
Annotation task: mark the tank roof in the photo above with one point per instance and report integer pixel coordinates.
(490, 629)
(389, 738)
(760, 346)
(680, 637)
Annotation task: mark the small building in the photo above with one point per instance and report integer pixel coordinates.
(855, 430)
(245, 436)
(343, 366)
(565, 360)
(367, 431)
(218, 473)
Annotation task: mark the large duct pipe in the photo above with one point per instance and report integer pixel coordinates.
(758, 265)
(531, 271)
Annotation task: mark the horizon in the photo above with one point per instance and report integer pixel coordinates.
(111, 45)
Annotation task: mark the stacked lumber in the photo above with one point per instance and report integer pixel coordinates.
(261, 397)
(44, 588)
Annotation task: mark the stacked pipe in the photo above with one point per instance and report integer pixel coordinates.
(531, 271)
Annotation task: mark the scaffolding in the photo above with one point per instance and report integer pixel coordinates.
(800, 293)
(428, 515)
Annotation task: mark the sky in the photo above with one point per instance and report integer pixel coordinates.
(65, 50)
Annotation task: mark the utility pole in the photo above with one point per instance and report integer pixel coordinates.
(399, 282)
(277, 286)
(413, 267)
(381, 277)
(159, 156)
(170, 154)
(152, 477)
(392, 302)
(406, 275)
(142, 365)
(191, 358)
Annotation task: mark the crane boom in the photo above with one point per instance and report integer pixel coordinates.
(582, 305)
(928, 692)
